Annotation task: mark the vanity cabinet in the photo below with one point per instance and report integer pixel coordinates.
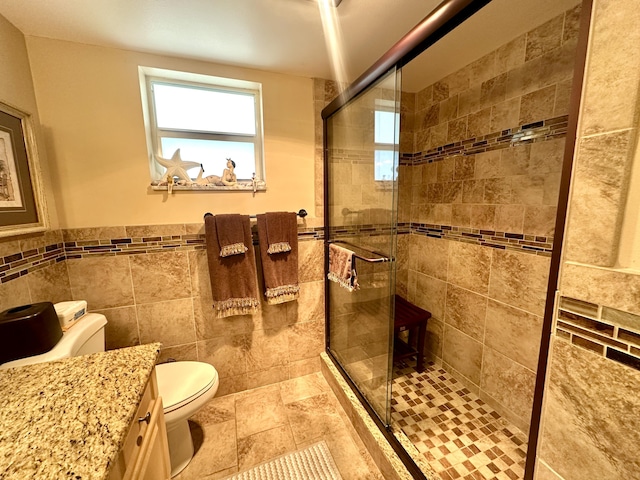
(145, 454)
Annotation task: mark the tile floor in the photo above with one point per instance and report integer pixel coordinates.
(460, 436)
(238, 431)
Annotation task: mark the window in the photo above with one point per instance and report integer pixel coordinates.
(387, 130)
(209, 119)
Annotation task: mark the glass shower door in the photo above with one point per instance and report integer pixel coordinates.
(362, 160)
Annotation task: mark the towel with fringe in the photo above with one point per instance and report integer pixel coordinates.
(342, 267)
(279, 264)
(234, 284)
(231, 235)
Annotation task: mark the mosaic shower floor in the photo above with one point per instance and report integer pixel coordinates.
(459, 435)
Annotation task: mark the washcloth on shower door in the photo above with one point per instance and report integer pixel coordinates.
(342, 269)
(234, 284)
(278, 238)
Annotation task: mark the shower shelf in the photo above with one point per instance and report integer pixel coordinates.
(381, 257)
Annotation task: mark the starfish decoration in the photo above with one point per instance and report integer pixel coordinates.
(176, 167)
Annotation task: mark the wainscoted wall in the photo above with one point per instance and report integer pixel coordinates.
(152, 283)
(479, 180)
(590, 418)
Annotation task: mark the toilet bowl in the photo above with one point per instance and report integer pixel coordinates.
(185, 387)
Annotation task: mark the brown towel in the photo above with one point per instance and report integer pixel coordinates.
(234, 283)
(279, 231)
(231, 234)
(280, 270)
(342, 268)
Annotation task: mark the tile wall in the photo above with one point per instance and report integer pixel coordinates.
(590, 417)
(481, 155)
(152, 283)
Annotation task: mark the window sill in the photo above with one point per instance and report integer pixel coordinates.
(240, 186)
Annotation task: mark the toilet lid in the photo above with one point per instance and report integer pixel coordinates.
(181, 382)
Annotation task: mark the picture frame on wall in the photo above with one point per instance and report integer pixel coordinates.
(22, 205)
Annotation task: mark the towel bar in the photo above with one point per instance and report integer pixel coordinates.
(301, 213)
(382, 258)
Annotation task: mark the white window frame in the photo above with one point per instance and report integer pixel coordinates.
(387, 106)
(149, 75)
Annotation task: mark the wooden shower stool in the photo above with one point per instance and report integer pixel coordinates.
(410, 317)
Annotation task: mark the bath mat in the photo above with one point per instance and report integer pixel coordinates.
(311, 463)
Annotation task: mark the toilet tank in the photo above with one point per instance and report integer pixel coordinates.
(86, 336)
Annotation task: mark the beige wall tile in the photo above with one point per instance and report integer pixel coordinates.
(429, 256)
(160, 276)
(104, 282)
(472, 191)
(310, 304)
(463, 353)
(469, 100)
(457, 130)
(519, 279)
(430, 294)
(14, 293)
(227, 355)
(505, 114)
(9, 247)
(305, 340)
(469, 266)
(93, 233)
(170, 322)
(544, 38)
(598, 195)
(515, 160)
(122, 327)
(508, 382)
(497, 190)
(310, 261)
(208, 326)
(546, 157)
(268, 348)
(538, 105)
(586, 429)
(612, 67)
(306, 366)
(527, 189)
(461, 215)
(511, 54)
(187, 352)
(600, 286)
(525, 78)
(40, 240)
(563, 98)
(268, 376)
(435, 339)
(50, 284)
(487, 164)
(483, 217)
(540, 220)
(466, 311)
(141, 231)
(510, 218)
(493, 90)
(514, 333)
(479, 123)
(571, 26)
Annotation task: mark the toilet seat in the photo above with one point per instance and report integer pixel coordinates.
(180, 383)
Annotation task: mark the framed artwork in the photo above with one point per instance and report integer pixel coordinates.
(22, 206)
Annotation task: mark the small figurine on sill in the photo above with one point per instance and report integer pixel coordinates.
(228, 178)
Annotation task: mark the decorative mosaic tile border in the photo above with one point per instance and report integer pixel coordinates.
(532, 132)
(612, 333)
(532, 244)
(20, 264)
(537, 245)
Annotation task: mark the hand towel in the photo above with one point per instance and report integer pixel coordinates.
(231, 234)
(280, 270)
(234, 282)
(342, 268)
(279, 231)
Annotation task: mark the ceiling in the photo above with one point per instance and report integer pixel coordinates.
(283, 36)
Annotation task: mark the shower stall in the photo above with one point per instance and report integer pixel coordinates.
(448, 180)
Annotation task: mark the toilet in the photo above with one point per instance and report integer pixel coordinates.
(185, 387)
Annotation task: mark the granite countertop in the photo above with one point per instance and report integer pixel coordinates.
(68, 419)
